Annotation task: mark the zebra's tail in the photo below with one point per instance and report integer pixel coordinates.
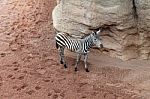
(57, 46)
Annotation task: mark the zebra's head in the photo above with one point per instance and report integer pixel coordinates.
(96, 38)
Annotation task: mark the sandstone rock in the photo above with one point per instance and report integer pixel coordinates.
(143, 11)
(128, 22)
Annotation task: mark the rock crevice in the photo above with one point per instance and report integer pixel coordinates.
(135, 10)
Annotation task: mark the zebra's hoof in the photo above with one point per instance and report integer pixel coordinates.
(87, 70)
(65, 65)
(75, 69)
(61, 62)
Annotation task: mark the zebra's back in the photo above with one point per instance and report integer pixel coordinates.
(65, 40)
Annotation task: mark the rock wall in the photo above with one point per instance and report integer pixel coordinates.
(143, 12)
(128, 21)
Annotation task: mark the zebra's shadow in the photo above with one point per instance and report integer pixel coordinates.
(71, 61)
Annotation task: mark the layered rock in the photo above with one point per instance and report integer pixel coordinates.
(127, 35)
(143, 12)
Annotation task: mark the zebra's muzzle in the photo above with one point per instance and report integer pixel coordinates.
(101, 45)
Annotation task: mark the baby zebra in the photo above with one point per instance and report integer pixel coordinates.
(80, 46)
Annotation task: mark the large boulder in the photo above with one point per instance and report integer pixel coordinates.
(122, 39)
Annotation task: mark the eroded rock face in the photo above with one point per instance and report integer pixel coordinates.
(128, 20)
(143, 11)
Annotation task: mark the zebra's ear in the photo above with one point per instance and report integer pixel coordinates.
(98, 32)
(94, 33)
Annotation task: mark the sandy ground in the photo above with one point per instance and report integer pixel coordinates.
(30, 69)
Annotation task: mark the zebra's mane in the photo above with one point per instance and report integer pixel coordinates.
(79, 38)
(85, 35)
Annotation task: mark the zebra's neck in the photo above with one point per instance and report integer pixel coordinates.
(88, 42)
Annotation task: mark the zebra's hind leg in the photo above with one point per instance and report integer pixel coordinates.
(85, 62)
(62, 57)
(77, 61)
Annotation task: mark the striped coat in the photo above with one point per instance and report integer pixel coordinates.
(80, 46)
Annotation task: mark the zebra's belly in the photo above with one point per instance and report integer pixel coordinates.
(72, 50)
(80, 51)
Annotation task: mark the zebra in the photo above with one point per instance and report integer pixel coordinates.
(79, 46)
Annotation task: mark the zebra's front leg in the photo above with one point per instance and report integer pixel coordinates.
(62, 57)
(77, 61)
(85, 62)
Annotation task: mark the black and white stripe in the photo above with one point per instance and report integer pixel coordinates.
(80, 46)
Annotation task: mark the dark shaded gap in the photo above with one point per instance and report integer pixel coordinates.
(134, 10)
